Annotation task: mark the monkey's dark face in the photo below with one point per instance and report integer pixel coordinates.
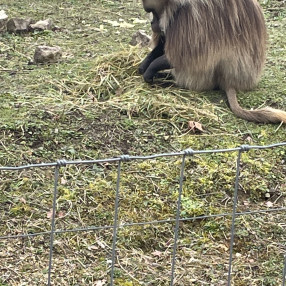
(156, 6)
(155, 27)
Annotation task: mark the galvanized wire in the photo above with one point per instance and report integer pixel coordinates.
(94, 228)
(133, 158)
(125, 158)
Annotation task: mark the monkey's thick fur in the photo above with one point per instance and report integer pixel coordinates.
(216, 43)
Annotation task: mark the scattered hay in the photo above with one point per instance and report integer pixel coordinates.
(113, 82)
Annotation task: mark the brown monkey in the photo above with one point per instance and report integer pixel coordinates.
(216, 43)
(156, 60)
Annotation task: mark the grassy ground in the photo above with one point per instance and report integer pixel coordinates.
(93, 104)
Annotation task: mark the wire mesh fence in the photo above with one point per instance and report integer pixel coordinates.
(119, 162)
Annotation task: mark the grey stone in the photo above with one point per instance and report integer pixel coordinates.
(3, 21)
(140, 38)
(43, 25)
(46, 54)
(17, 25)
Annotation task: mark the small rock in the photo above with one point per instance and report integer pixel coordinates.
(267, 195)
(17, 25)
(42, 25)
(3, 21)
(140, 38)
(45, 54)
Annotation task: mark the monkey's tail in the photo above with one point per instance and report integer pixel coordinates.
(264, 115)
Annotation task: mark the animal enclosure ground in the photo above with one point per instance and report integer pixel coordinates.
(93, 104)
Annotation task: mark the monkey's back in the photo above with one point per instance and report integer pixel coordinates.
(215, 43)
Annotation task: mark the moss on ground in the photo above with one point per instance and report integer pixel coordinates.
(93, 104)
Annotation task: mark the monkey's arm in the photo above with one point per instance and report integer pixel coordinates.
(160, 63)
(157, 52)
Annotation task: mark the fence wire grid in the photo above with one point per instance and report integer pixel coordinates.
(124, 159)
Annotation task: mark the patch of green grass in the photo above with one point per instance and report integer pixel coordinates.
(93, 104)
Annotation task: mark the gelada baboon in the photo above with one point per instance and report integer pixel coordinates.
(156, 60)
(215, 43)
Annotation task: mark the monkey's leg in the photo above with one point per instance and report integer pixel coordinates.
(158, 64)
(157, 52)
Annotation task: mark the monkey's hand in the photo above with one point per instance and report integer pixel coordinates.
(156, 53)
(145, 64)
(158, 64)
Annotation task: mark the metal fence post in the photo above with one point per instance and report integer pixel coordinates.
(177, 225)
(115, 221)
(284, 272)
(235, 199)
(55, 194)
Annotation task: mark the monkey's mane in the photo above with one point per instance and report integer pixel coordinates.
(208, 32)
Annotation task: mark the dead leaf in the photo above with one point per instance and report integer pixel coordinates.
(223, 247)
(50, 213)
(195, 126)
(119, 91)
(61, 214)
(102, 245)
(100, 283)
(122, 23)
(100, 29)
(126, 25)
(249, 139)
(112, 23)
(157, 253)
(138, 21)
(22, 200)
(269, 204)
(93, 247)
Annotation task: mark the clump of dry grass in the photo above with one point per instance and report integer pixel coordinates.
(113, 82)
